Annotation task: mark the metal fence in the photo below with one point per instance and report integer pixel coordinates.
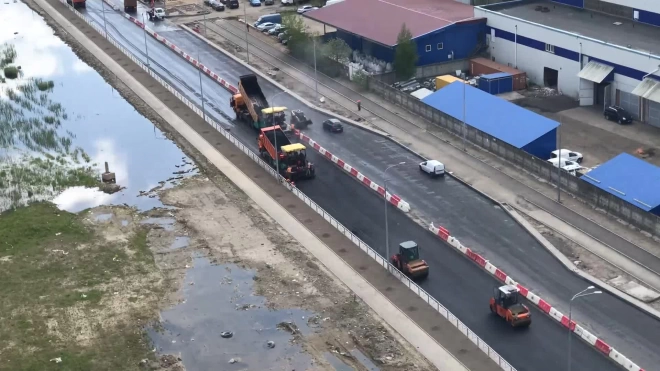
(336, 224)
(595, 196)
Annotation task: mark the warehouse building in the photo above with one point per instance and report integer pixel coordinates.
(597, 51)
(498, 118)
(442, 29)
(630, 179)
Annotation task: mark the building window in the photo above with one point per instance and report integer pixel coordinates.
(550, 48)
(440, 46)
(428, 48)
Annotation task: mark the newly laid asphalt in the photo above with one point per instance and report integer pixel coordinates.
(456, 282)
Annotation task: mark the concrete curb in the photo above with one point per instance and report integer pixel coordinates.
(546, 307)
(444, 361)
(392, 198)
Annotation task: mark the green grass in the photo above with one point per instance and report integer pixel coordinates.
(45, 273)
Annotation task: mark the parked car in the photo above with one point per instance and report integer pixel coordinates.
(567, 154)
(287, 2)
(265, 26)
(571, 167)
(618, 114)
(273, 18)
(216, 5)
(207, 2)
(276, 30)
(333, 125)
(255, 2)
(269, 2)
(305, 9)
(282, 35)
(433, 167)
(232, 4)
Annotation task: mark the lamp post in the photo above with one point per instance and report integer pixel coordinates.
(387, 234)
(144, 28)
(277, 152)
(105, 28)
(201, 86)
(316, 80)
(247, 29)
(580, 294)
(559, 161)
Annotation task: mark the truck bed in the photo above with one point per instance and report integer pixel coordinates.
(253, 91)
(282, 139)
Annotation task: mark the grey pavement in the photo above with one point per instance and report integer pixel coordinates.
(366, 224)
(412, 305)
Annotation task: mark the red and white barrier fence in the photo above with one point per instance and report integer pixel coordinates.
(394, 199)
(546, 307)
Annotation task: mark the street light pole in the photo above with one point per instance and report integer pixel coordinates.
(105, 28)
(316, 80)
(559, 161)
(277, 153)
(387, 229)
(201, 86)
(580, 294)
(464, 123)
(144, 28)
(247, 29)
(205, 29)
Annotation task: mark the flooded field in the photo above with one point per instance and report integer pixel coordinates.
(61, 121)
(178, 270)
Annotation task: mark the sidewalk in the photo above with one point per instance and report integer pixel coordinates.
(445, 346)
(482, 170)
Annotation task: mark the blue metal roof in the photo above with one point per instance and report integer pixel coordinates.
(496, 75)
(628, 178)
(490, 114)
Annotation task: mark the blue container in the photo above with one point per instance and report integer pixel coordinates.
(496, 83)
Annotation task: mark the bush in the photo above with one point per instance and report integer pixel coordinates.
(11, 72)
(360, 78)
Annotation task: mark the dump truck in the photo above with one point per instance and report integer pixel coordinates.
(130, 6)
(249, 102)
(407, 261)
(290, 160)
(77, 3)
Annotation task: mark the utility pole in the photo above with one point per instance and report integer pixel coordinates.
(247, 29)
(559, 161)
(464, 122)
(387, 229)
(144, 28)
(201, 86)
(316, 79)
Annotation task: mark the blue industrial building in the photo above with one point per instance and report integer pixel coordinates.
(505, 121)
(629, 178)
(442, 29)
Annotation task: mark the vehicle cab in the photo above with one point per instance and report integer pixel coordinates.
(432, 167)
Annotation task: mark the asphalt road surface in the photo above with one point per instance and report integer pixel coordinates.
(455, 281)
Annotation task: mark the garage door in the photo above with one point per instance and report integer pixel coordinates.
(629, 102)
(654, 113)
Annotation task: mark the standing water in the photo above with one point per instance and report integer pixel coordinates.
(58, 116)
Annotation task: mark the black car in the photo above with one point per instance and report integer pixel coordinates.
(269, 2)
(333, 125)
(618, 114)
(233, 4)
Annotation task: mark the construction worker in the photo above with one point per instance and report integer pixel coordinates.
(359, 104)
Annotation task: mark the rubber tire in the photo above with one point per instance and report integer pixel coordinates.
(579, 160)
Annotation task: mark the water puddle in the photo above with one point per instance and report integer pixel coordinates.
(77, 122)
(336, 363)
(364, 360)
(165, 223)
(179, 243)
(220, 298)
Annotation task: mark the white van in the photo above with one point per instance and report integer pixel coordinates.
(433, 167)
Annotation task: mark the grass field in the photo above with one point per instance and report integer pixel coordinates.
(74, 296)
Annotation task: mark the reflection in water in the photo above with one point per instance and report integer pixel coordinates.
(92, 119)
(220, 298)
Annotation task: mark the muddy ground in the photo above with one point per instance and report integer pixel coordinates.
(226, 226)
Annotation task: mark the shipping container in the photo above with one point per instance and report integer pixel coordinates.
(442, 81)
(483, 66)
(496, 83)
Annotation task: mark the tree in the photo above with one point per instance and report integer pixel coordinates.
(337, 50)
(405, 56)
(297, 32)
